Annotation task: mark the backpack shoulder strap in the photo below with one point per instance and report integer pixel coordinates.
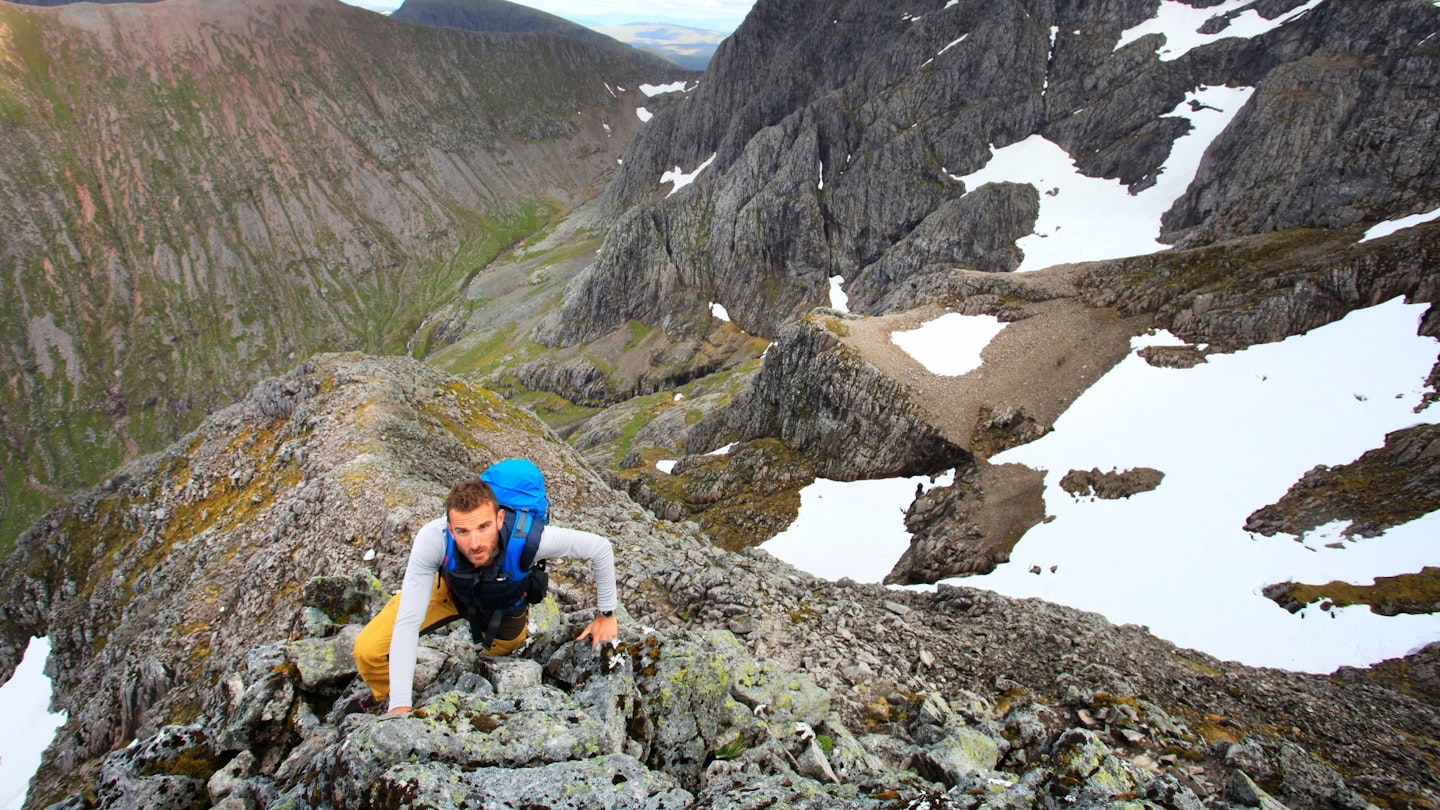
(522, 530)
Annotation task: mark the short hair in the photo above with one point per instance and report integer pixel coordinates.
(467, 496)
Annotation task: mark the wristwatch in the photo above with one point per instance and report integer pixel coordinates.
(609, 614)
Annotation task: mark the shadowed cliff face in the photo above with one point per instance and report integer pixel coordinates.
(840, 130)
(193, 195)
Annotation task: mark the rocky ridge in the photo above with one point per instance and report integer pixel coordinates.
(194, 627)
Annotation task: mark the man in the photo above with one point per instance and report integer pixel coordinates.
(385, 650)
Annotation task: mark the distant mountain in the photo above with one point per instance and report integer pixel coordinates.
(194, 195)
(499, 16)
(687, 47)
(68, 2)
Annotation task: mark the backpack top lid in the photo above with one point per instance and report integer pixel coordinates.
(519, 485)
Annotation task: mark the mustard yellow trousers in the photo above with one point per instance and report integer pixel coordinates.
(372, 646)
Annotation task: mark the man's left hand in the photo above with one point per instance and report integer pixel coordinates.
(601, 630)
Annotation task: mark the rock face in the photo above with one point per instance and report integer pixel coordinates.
(822, 400)
(839, 130)
(1111, 485)
(190, 620)
(197, 195)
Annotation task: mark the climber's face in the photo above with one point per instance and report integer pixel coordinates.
(477, 533)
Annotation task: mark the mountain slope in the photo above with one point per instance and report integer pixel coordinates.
(197, 194)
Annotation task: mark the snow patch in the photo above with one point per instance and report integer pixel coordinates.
(681, 178)
(838, 299)
(653, 90)
(719, 311)
(952, 44)
(24, 702)
(852, 529)
(1088, 219)
(666, 466)
(643, 114)
(1394, 225)
(721, 451)
(1179, 23)
(950, 345)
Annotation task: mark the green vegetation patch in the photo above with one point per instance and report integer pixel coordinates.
(740, 499)
(1388, 596)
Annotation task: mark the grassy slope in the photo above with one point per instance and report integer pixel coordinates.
(194, 199)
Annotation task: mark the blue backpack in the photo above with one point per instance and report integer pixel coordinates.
(514, 581)
(519, 486)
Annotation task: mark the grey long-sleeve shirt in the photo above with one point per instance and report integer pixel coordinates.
(427, 554)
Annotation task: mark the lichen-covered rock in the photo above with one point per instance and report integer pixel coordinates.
(324, 662)
(960, 752)
(696, 694)
(601, 783)
(169, 771)
(345, 600)
(537, 725)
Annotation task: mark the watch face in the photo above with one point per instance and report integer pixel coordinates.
(607, 613)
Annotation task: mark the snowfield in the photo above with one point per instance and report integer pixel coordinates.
(1231, 436)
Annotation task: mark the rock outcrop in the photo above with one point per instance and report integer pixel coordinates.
(970, 525)
(1110, 485)
(848, 417)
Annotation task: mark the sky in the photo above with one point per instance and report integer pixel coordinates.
(715, 15)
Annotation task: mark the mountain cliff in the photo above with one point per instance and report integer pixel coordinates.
(202, 601)
(195, 195)
(834, 137)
